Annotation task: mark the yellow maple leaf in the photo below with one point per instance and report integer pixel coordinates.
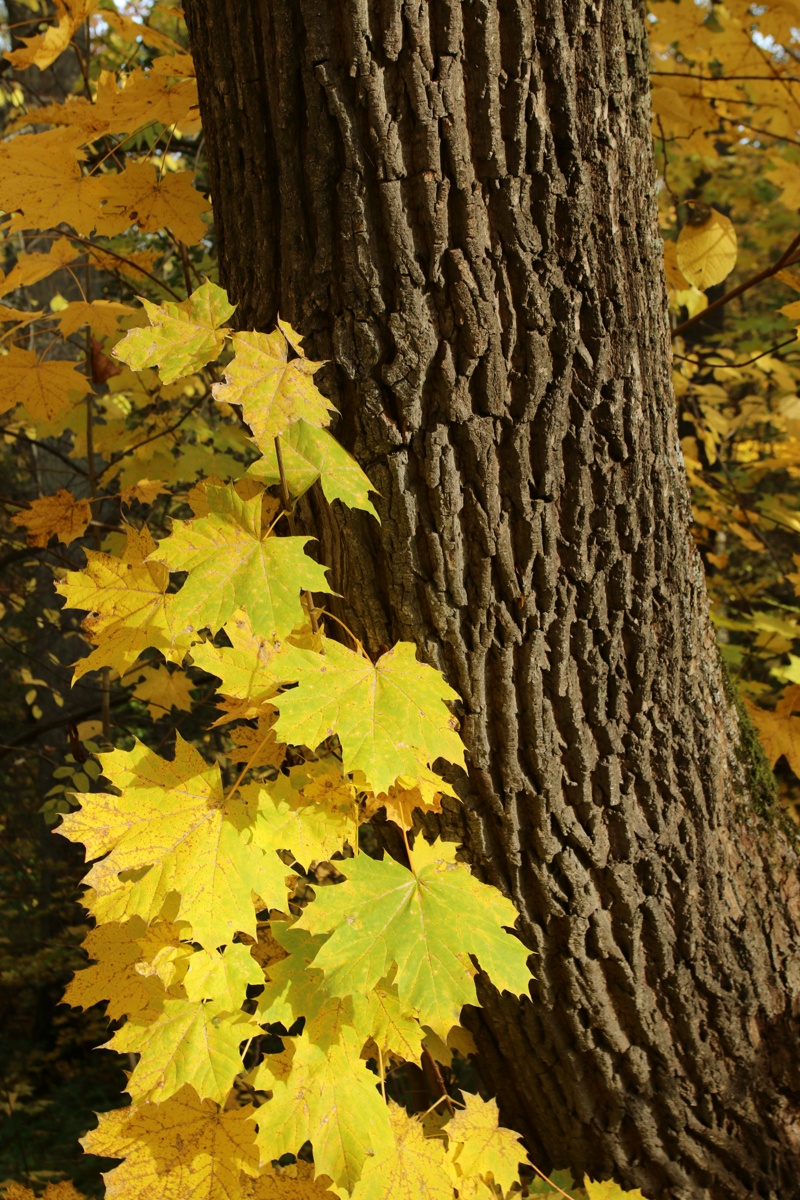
(145, 99)
(102, 316)
(45, 388)
(295, 1182)
(136, 196)
(609, 1190)
(42, 183)
(187, 1042)
(174, 822)
(250, 670)
(60, 516)
(415, 1167)
(152, 1139)
(127, 603)
(140, 31)
(31, 268)
(7, 313)
(63, 1190)
(706, 249)
(272, 390)
(145, 491)
(257, 747)
(478, 1146)
(163, 690)
(44, 49)
(779, 730)
(113, 976)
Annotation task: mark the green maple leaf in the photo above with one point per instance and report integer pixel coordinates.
(188, 1042)
(181, 338)
(427, 922)
(232, 563)
(330, 1097)
(174, 824)
(273, 390)
(309, 454)
(387, 716)
(478, 1146)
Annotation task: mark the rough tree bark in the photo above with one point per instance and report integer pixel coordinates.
(454, 200)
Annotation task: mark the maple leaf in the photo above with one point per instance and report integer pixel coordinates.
(174, 822)
(181, 338)
(7, 314)
(128, 605)
(102, 316)
(63, 1190)
(309, 454)
(779, 731)
(257, 747)
(222, 976)
(414, 1169)
(390, 1028)
(458, 1038)
(706, 250)
(232, 563)
(144, 100)
(609, 1190)
(164, 953)
(145, 491)
(113, 978)
(136, 196)
(41, 181)
(163, 690)
(427, 922)
(32, 268)
(273, 391)
(42, 50)
(45, 388)
(386, 716)
(186, 1043)
(250, 670)
(183, 1149)
(478, 1146)
(331, 1098)
(295, 1182)
(312, 831)
(406, 793)
(60, 516)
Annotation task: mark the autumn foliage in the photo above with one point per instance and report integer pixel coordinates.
(270, 971)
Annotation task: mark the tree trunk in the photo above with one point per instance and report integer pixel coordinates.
(454, 200)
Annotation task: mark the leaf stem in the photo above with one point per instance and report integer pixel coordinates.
(361, 649)
(381, 1072)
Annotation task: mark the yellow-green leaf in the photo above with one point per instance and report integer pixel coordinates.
(273, 391)
(181, 338)
(427, 923)
(309, 454)
(232, 563)
(386, 715)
